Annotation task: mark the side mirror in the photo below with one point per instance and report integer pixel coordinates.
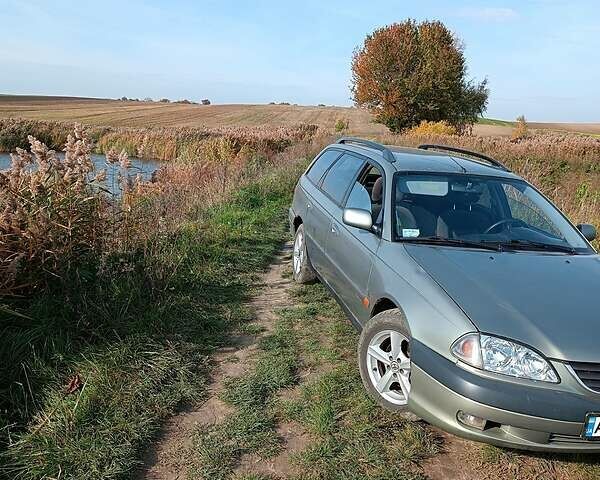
(588, 231)
(356, 217)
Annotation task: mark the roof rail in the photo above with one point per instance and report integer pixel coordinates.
(481, 156)
(386, 152)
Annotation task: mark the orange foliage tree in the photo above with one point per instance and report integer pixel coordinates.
(409, 72)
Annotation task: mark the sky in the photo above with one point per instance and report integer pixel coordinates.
(541, 57)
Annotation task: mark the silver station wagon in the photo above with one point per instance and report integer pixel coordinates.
(477, 300)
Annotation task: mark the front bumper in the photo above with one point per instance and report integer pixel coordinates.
(517, 416)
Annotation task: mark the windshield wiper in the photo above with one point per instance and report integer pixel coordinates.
(451, 242)
(529, 245)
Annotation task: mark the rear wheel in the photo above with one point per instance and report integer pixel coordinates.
(384, 361)
(303, 270)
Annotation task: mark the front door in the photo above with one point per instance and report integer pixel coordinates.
(352, 250)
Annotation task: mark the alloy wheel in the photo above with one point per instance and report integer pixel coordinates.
(388, 363)
(298, 252)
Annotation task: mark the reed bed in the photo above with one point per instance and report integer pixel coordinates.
(168, 144)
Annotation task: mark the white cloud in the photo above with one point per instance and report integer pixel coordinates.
(496, 14)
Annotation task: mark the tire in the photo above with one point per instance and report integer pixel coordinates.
(303, 271)
(387, 381)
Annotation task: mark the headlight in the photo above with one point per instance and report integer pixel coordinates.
(503, 356)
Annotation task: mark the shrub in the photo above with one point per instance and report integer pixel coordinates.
(407, 72)
(521, 129)
(205, 101)
(433, 128)
(342, 125)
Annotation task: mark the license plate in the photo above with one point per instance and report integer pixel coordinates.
(591, 429)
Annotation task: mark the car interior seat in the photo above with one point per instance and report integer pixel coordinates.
(412, 212)
(464, 217)
(377, 201)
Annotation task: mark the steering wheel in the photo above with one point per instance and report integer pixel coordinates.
(506, 222)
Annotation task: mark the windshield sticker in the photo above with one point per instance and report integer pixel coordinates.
(410, 232)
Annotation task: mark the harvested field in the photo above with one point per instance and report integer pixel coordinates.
(155, 114)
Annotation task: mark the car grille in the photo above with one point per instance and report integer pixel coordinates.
(589, 374)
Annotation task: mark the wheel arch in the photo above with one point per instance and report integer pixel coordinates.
(382, 304)
(388, 302)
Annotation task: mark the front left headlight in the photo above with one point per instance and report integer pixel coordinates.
(499, 355)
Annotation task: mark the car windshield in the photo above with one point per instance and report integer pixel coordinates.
(493, 212)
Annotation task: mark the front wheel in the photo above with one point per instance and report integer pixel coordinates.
(384, 360)
(303, 270)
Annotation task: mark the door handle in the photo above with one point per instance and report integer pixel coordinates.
(308, 205)
(334, 230)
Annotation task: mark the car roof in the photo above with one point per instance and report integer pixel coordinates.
(428, 161)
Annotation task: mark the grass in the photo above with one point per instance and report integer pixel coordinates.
(352, 437)
(252, 428)
(495, 122)
(506, 463)
(92, 398)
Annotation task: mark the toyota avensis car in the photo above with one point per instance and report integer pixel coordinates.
(478, 301)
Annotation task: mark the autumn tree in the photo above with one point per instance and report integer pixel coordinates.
(409, 72)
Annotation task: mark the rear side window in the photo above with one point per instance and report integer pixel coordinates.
(321, 164)
(340, 176)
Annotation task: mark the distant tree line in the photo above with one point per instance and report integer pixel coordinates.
(185, 101)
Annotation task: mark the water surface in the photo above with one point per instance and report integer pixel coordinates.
(138, 166)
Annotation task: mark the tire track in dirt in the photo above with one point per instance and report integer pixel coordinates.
(168, 458)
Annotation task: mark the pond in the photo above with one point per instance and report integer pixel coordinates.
(144, 167)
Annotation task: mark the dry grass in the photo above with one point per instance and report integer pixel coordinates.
(51, 217)
(55, 216)
(433, 128)
(185, 144)
(111, 333)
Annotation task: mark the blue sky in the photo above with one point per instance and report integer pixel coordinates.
(541, 57)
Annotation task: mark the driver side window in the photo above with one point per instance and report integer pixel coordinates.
(522, 208)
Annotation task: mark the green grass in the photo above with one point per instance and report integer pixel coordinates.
(493, 121)
(134, 340)
(353, 437)
(252, 428)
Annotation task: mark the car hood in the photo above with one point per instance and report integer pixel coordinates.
(548, 301)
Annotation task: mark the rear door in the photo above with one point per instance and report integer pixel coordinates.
(317, 220)
(352, 250)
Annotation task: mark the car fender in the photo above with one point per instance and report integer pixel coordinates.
(433, 317)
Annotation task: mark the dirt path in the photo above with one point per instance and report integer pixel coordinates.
(167, 459)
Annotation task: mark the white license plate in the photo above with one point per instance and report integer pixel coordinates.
(591, 429)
